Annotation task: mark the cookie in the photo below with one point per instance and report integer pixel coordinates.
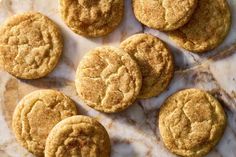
(155, 62)
(92, 18)
(78, 136)
(164, 15)
(30, 45)
(191, 122)
(207, 28)
(108, 79)
(36, 114)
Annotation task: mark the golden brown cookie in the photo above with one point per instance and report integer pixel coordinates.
(30, 45)
(154, 60)
(191, 122)
(164, 15)
(108, 79)
(80, 136)
(36, 114)
(92, 18)
(207, 28)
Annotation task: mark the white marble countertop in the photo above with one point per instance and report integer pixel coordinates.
(133, 132)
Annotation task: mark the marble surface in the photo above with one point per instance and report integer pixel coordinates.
(133, 132)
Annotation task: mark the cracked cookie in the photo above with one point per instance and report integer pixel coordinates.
(30, 45)
(164, 15)
(108, 79)
(191, 122)
(78, 136)
(155, 62)
(206, 29)
(36, 114)
(92, 18)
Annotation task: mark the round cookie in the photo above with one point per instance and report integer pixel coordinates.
(108, 79)
(154, 60)
(191, 122)
(207, 28)
(36, 114)
(93, 18)
(165, 15)
(30, 45)
(78, 136)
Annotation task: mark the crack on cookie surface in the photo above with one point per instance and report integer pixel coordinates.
(92, 18)
(78, 135)
(206, 29)
(117, 82)
(164, 15)
(30, 45)
(191, 122)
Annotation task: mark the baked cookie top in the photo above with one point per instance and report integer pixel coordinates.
(155, 62)
(108, 79)
(164, 15)
(206, 29)
(92, 18)
(78, 136)
(36, 114)
(30, 45)
(191, 122)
